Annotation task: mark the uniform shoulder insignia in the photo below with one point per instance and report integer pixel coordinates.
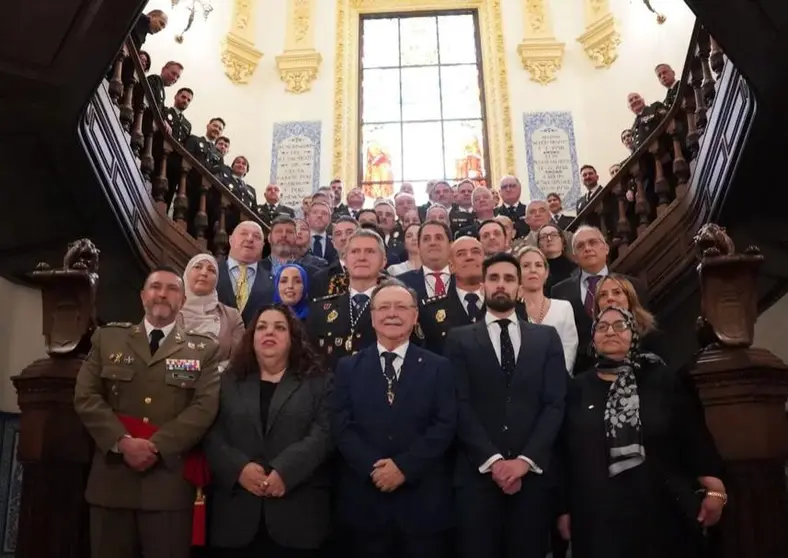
(199, 334)
(432, 299)
(327, 297)
(119, 324)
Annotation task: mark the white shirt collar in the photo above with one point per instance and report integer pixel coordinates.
(428, 271)
(584, 275)
(489, 319)
(166, 329)
(461, 295)
(354, 292)
(313, 234)
(400, 351)
(233, 263)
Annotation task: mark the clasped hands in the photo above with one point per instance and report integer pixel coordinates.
(254, 480)
(508, 474)
(386, 475)
(138, 453)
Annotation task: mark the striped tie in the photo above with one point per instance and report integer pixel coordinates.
(242, 291)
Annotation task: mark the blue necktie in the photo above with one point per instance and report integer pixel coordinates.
(317, 246)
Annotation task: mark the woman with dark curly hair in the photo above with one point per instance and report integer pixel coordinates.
(269, 446)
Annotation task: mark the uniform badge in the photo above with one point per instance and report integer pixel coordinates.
(201, 345)
(178, 338)
(116, 358)
(440, 316)
(338, 341)
(418, 331)
(128, 360)
(332, 316)
(349, 344)
(182, 364)
(191, 345)
(326, 306)
(135, 329)
(396, 234)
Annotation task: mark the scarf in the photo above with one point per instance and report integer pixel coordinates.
(623, 428)
(200, 312)
(301, 308)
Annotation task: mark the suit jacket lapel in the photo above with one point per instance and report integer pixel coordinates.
(171, 343)
(287, 385)
(524, 360)
(249, 393)
(408, 374)
(139, 342)
(225, 285)
(482, 336)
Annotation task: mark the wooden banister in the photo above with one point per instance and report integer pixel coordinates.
(658, 172)
(155, 147)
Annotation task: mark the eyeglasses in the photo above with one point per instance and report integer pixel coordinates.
(619, 327)
(549, 236)
(590, 243)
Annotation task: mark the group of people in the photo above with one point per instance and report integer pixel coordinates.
(501, 393)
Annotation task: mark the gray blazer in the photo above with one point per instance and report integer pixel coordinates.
(296, 444)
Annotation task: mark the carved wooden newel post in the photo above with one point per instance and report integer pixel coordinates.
(53, 447)
(744, 391)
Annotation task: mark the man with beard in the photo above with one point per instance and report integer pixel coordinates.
(282, 239)
(511, 383)
(146, 394)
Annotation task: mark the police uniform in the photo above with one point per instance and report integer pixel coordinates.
(647, 121)
(338, 331)
(517, 214)
(440, 314)
(459, 218)
(157, 88)
(268, 212)
(339, 211)
(180, 126)
(177, 391)
(395, 247)
(205, 152)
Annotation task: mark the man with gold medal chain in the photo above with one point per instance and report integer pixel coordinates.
(340, 324)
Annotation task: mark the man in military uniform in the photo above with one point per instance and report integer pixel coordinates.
(146, 394)
(170, 74)
(233, 177)
(340, 325)
(483, 209)
(340, 208)
(647, 117)
(667, 78)
(180, 127)
(512, 207)
(204, 148)
(461, 214)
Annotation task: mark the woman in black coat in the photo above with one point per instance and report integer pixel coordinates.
(642, 474)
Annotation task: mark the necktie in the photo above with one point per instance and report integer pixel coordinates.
(440, 286)
(472, 306)
(507, 349)
(317, 246)
(241, 287)
(591, 282)
(359, 303)
(390, 374)
(155, 338)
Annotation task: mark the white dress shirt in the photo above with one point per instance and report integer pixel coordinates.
(494, 330)
(429, 279)
(584, 280)
(165, 330)
(354, 292)
(562, 318)
(400, 351)
(479, 303)
(234, 268)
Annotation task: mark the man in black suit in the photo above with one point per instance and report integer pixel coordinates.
(170, 74)
(511, 384)
(557, 212)
(590, 250)
(590, 180)
(319, 219)
(393, 417)
(242, 283)
(333, 279)
(483, 209)
(434, 276)
(511, 206)
(340, 208)
(180, 127)
(463, 303)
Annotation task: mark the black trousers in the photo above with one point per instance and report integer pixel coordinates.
(393, 543)
(263, 546)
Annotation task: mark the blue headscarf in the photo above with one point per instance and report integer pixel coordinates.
(300, 308)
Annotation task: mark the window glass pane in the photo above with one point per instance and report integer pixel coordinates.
(420, 192)
(460, 91)
(380, 96)
(380, 43)
(422, 157)
(421, 94)
(464, 149)
(419, 41)
(381, 158)
(457, 39)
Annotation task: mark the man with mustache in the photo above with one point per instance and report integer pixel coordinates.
(395, 491)
(511, 383)
(146, 394)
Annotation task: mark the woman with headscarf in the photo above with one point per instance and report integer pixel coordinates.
(641, 472)
(291, 288)
(202, 312)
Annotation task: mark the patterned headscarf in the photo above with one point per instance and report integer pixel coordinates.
(622, 409)
(199, 311)
(300, 308)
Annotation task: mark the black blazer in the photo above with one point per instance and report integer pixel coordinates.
(521, 419)
(416, 432)
(569, 289)
(262, 290)
(562, 222)
(296, 444)
(157, 87)
(415, 280)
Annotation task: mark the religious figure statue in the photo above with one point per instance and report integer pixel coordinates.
(378, 176)
(471, 164)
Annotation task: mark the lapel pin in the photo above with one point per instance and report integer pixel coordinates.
(128, 360)
(115, 358)
(201, 345)
(178, 338)
(332, 316)
(420, 359)
(338, 341)
(191, 345)
(136, 329)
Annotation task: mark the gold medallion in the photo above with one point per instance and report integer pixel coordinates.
(349, 344)
(332, 316)
(338, 341)
(440, 316)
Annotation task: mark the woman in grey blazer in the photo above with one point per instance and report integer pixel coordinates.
(269, 446)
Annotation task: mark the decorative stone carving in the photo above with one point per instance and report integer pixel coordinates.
(540, 53)
(239, 56)
(298, 69)
(600, 39)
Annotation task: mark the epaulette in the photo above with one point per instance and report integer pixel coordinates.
(119, 324)
(327, 297)
(432, 299)
(199, 334)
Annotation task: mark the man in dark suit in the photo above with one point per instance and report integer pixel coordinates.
(590, 180)
(180, 127)
(557, 212)
(511, 384)
(512, 207)
(333, 279)
(272, 208)
(394, 415)
(483, 209)
(242, 283)
(434, 276)
(590, 250)
(170, 74)
(319, 219)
